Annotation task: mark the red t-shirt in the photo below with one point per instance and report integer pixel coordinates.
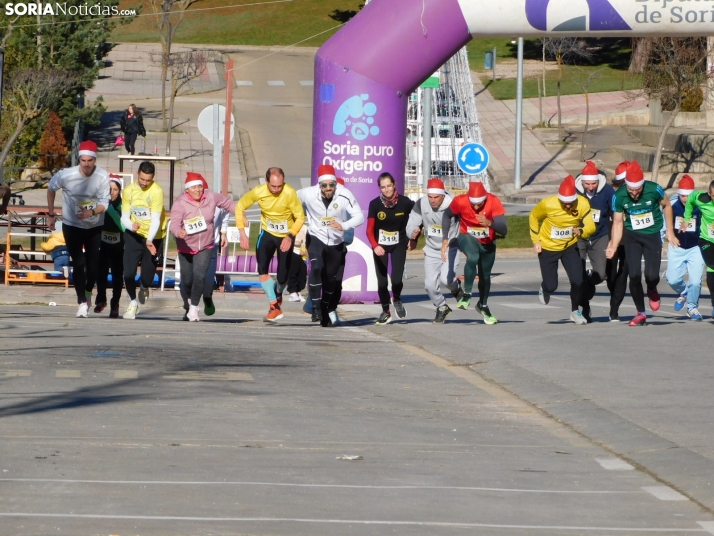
(468, 224)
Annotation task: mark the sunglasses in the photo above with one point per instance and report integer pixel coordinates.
(324, 185)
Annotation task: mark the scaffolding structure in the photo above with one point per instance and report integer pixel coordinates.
(454, 123)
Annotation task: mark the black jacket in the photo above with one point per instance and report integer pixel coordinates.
(133, 125)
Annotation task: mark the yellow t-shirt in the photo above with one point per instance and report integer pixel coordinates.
(280, 214)
(551, 224)
(139, 204)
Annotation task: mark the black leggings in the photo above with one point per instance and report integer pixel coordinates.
(570, 257)
(268, 245)
(297, 276)
(707, 249)
(84, 263)
(136, 253)
(617, 274)
(129, 141)
(110, 256)
(193, 273)
(636, 246)
(325, 263)
(398, 254)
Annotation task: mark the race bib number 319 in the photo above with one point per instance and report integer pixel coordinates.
(387, 238)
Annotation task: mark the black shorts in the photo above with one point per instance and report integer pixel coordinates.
(267, 246)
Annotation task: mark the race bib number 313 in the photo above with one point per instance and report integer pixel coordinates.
(280, 227)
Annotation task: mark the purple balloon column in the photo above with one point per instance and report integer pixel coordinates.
(363, 77)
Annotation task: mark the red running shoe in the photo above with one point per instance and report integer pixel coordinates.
(653, 295)
(639, 320)
(274, 314)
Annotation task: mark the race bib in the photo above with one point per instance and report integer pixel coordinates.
(478, 232)
(195, 225)
(691, 226)
(561, 233)
(710, 230)
(140, 213)
(596, 215)
(434, 230)
(110, 238)
(641, 221)
(387, 238)
(280, 227)
(87, 205)
(325, 222)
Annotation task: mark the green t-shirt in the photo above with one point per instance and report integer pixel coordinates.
(644, 215)
(706, 207)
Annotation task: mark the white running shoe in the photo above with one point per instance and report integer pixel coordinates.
(578, 318)
(131, 311)
(334, 318)
(193, 313)
(83, 310)
(295, 297)
(143, 295)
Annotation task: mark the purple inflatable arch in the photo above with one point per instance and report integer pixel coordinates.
(366, 71)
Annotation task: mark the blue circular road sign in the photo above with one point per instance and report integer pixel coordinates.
(473, 158)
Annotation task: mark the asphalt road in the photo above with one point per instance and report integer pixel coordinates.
(531, 426)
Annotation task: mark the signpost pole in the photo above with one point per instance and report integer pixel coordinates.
(228, 126)
(216, 148)
(519, 117)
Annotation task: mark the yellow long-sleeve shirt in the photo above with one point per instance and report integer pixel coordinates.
(280, 214)
(551, 224)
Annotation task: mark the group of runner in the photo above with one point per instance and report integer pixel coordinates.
(611, 226)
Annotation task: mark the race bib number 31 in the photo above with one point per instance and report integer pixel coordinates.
(195, 225)
(641, 221)
(387, 238)
(280, 227)
(434, 230)
(560, 233)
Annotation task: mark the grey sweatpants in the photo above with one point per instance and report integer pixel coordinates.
(193, 274)
(438, 273)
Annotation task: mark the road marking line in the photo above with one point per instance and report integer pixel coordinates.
(664, 493)
(307, 83)
(68, 374)
(349, 522)
(126, 374)
(15, 373)
(530, 306)
(276, 83)
(614, 464)
(244, 83)
(211, 376)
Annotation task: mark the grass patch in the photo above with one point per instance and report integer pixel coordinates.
(518, 233)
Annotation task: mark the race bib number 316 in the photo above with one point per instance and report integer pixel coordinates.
(195, 225)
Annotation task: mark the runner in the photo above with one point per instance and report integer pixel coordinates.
(85, 197)
(636, 209)
(704, 201)
(337, 296)
(111, 252)
(387, 219)
(330, 209)
(556, 224)
(617, 272)
(281, 218)
(687, 258)
(192, 220)
(428, 215)
(592, 183)
(144, 218)
(481, 217)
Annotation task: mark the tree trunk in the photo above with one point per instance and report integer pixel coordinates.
(6, 150)
(587, 122)
(39, 38)
(174, 90)
(658, 151)
(540, 105)
(641, 50)
(164, 74)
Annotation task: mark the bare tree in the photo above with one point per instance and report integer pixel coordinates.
(583, 78)
(641, 50)
(28, 94)
(674, 67)
(564, 49)
(168, 16)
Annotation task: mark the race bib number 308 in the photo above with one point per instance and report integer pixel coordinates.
(561, 233)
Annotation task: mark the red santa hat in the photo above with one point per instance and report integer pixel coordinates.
(621, 170)
(340, 181)
(477, 192)
(634, 177)
(590, 172)
(435, 186)
(686, 185)
(194, 179)
(326, 172)
(567, 192)
(117, 178)
(88, 148)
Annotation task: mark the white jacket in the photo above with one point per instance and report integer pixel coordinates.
(343, 208)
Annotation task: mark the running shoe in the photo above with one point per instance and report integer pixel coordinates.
(209, 307)
(488, 318)
(639, 320)
(543, 296)
(296, 297)
(316, 314)
(334, 319)
(384, 318)
(65, 272)
(464, 302)
(185, 315)
(653, 295)
(459, 292)
(441, 314)
(131, 311)
(399, 309)
(679, 303)
(578, 318)
(614, 318)
(83, 310)
(143, 295)
(114, 313)
(694, 314)
(588, 315)
(326, 322)
(100, 306)
(275, 313)
(193, 314)
(278, 295)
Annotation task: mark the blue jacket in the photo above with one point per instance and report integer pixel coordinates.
(602, 202)
(688, 239)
